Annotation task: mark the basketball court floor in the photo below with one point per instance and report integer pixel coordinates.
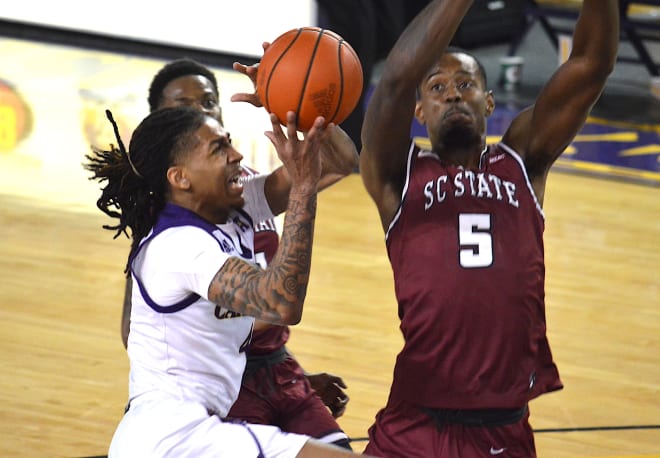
(64, 380)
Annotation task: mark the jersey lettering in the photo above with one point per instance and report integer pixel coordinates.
(481, 185)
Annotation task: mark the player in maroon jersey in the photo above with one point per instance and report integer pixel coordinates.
(275, 388)
(464, 233)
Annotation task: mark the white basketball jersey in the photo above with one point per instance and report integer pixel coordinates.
(181, 345)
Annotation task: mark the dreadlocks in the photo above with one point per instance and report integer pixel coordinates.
(136, 187)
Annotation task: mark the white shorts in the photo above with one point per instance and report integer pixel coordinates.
(171, 428)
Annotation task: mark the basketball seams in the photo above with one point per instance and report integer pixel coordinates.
(274, 66)
(340, 66)
(311, 71)
(310, 65)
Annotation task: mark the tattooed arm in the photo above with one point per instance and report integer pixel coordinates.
(277, 293)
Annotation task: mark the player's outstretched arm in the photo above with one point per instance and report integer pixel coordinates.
(339, 157)
(542, 132)
(386, 127)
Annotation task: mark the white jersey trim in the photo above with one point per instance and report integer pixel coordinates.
(333, 437)
(530, 188)
(256, 204)
(411, 150)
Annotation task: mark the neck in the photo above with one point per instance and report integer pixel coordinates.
(459, 146)
(211, 215)
(468, 156)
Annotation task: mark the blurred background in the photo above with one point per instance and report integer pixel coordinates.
(64, 379)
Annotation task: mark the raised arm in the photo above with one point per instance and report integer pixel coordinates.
(542, 132)
(338, 153)
(277, 293)
(339, 158)
(387, 122)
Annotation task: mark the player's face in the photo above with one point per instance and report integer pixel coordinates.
(195, 91)
(212, 169)
(453, 101)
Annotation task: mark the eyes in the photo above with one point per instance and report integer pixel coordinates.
(462, 86)
(220, 145)
(209, 103)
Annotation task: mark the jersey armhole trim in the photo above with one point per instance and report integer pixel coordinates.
(411, 151)
(521, 163)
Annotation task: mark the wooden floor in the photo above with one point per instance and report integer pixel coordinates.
(64, 371)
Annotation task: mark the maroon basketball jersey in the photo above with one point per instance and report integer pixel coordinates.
(266, 241)
(466, 248)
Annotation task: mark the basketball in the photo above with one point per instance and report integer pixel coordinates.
(313, 72)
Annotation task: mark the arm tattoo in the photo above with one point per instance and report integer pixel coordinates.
(277, 293)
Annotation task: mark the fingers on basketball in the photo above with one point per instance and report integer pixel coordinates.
(313, 72)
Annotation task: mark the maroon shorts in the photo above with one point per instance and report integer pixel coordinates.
(404, 430)
(280, 395)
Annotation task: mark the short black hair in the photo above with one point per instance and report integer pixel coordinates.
(174, 70)
(482, 70)
(458, 50)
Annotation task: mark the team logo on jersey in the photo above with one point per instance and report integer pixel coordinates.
(229, 244)
(496, 158)
(241, 224)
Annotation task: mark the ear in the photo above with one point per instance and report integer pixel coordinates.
(419, 113)
(176, 176)
(490, 103)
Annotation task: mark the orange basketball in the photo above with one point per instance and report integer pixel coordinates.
(313, 72)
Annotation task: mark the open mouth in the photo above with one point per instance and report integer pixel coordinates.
(236, 183)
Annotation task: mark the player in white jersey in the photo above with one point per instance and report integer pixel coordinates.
(191, 218)
(310, 405)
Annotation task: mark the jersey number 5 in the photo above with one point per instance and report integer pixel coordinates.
(475, 240)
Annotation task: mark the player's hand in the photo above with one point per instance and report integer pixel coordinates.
(251, 72)
(338, 153)
(329, 388)
(300, 157)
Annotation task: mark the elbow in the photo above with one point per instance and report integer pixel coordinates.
(610, 68)
(291, 311)
(597, 71)
(602, 64)
(291, 317)
(602, 73)
(606, 67)
(296, 320)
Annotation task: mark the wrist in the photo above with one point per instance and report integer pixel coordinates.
(303, 190)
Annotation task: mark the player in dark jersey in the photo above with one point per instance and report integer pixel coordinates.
(275, 388)
(464, 234)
